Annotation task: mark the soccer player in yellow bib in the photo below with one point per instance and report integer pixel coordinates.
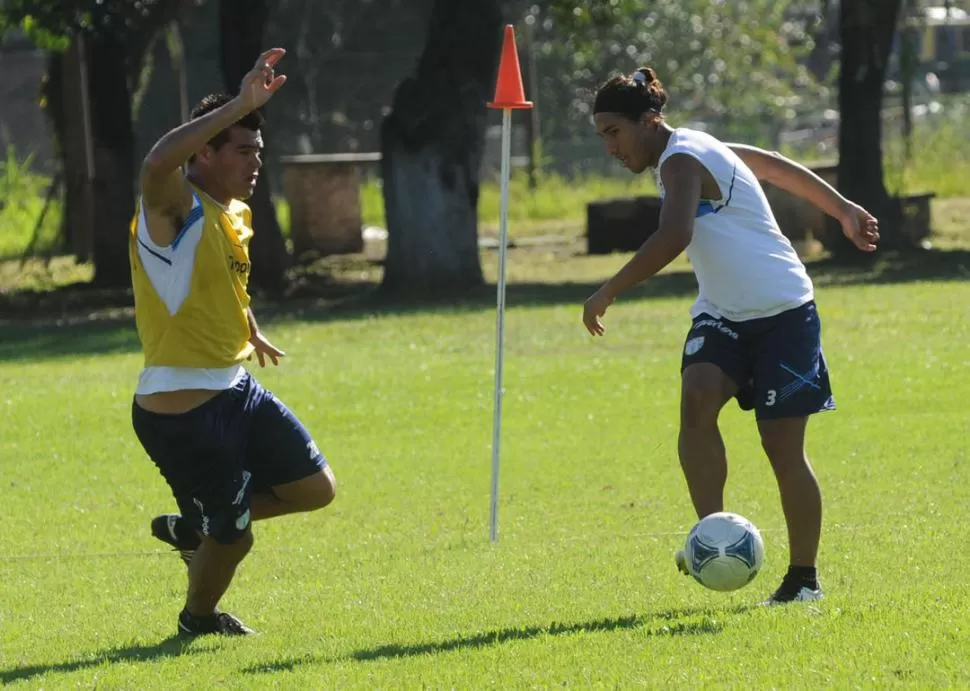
(230, 451)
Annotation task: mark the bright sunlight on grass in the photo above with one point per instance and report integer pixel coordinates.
(396, 584)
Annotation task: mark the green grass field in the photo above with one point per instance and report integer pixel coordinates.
(396, 585)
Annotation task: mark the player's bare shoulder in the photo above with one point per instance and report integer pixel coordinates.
(166, 199)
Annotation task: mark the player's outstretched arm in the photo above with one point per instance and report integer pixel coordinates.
(163, 187)
(681, 176)
(858, 224)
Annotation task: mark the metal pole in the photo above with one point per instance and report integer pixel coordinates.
(500, 325)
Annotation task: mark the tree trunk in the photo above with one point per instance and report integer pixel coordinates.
(96, 216)
(908, 64)
(61, 113)
(431, 147)
(114, 152)
(867, 28)
(241, 27)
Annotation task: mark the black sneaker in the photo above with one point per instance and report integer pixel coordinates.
(221, 623)
(795, 590)
(171, 529)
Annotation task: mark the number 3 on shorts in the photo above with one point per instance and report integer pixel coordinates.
(771, 397)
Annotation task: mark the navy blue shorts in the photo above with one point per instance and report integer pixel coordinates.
(777, 362)
(215, 456)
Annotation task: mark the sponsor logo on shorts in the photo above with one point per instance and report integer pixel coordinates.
(243, 520)
(717, 324)
(694, 345)
(205, 519)
(242, 490)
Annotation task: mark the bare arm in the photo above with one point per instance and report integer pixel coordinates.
(859, 225)
(793, 177)
(163, 186)
(682, 178)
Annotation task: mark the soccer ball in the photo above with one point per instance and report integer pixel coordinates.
(724, 551)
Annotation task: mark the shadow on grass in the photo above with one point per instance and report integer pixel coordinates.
(80, 320)
(367, 301)
(894, 267)
(170, 647)
(660, 624)
(38, 341)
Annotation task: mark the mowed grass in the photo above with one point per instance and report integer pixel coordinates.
(396, 585)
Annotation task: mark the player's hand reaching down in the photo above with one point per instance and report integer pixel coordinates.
(861, 227)
(264, 348)
(595, 308)
(261, 82)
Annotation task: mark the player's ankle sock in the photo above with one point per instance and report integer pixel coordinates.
(803, 575)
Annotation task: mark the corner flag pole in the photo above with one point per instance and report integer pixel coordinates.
(509, 95)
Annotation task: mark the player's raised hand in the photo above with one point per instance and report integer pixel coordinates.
(261, 82)
(861, 227)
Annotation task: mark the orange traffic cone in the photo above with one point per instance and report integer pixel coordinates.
(509, 92)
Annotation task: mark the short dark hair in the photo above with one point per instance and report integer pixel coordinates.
(252, 121)
(631, 95)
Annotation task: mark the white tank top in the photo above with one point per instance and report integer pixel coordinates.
(745, 267)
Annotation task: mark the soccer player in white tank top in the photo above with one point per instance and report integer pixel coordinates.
(755, 334)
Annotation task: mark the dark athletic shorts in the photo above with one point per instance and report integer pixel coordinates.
(215, 456)
(776, 361)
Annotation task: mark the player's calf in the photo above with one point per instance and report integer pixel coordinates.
(212, 570)
(704, 391)
(801, 499)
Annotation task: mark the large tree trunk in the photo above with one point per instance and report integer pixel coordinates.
(62, 114)
(114, 152)
(96, 215)
(431, 147)
(241, 26)
(867, 28)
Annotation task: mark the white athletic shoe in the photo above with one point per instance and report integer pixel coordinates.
(786, 594)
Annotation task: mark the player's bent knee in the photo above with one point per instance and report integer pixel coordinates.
(784, 441)
(325, 489)
(783, 456)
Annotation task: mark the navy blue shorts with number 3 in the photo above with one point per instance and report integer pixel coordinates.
(777, 362)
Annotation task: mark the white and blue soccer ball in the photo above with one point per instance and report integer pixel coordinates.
(724, 551)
